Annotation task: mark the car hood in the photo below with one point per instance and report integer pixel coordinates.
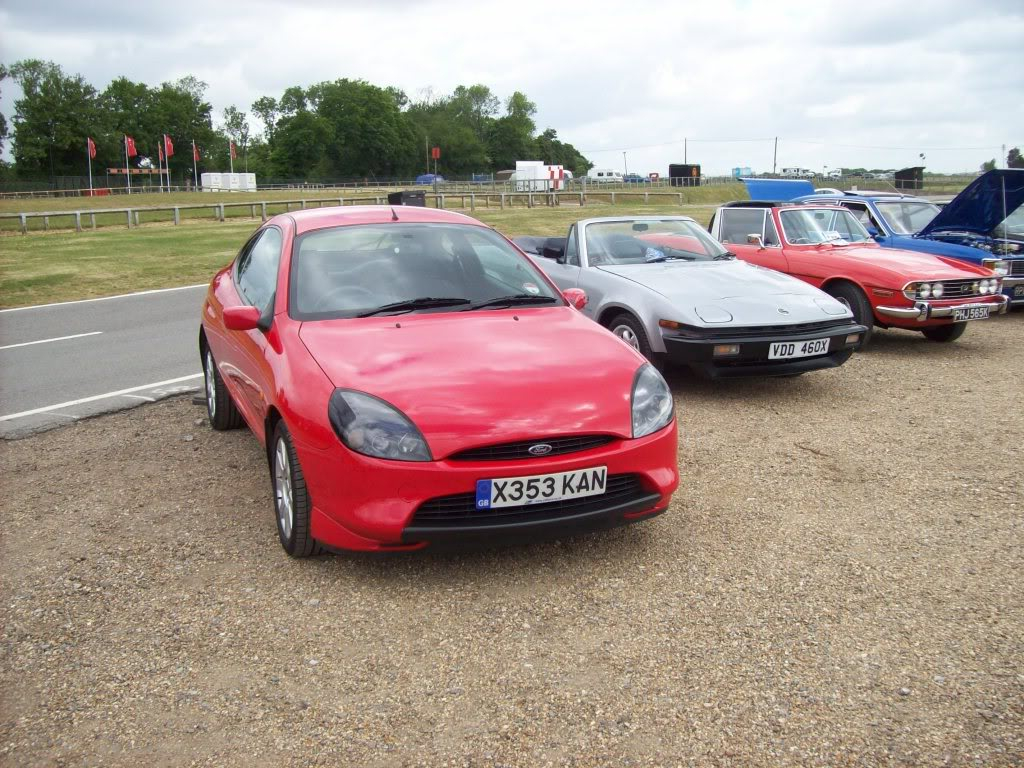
(469, 379)
(889, 266)
(981, 206)
(750, 295)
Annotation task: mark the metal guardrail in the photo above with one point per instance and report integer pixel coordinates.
(468, 200)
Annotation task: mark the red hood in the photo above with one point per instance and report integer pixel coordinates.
(902, 266)
(478, 378)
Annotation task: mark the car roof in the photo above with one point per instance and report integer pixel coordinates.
(348, 215)
(606, 219)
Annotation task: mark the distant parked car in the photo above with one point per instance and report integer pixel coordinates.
(827, 246)
(666, 288)
(430, 178)
(635, 178)
(982, 225)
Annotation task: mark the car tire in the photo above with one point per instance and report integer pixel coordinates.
(219, 405)
(854, 298)
(944, 333)
(292, 508)
(631, 331)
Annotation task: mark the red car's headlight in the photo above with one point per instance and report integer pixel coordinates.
(368, 425)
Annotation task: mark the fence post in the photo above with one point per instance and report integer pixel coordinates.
(680, 198)
(222, 211)
(503, 201)
(263, 211)
(613, 198)
(92, 220)
(252, 211)
(24, 224)
(129, 212)
(302, 204)
(136, 218)
(177, 216)
(46, 223)
(646, 196)
(582, 201)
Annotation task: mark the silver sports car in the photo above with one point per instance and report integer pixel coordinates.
(665, 286)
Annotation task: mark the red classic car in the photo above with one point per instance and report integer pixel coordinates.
(416, 380)
(829, 248)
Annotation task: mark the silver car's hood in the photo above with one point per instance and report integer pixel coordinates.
(732, 293)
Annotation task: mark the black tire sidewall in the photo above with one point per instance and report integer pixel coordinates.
(638, 330)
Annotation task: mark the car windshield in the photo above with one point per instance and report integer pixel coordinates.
(1012, 227)
(813, 226)
(906, 217)
(650, 241)
(369, 269)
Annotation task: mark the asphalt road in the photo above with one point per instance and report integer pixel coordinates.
(61, 362)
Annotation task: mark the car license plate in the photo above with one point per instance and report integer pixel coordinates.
(971, 313)
(538, 489)
(780, 350)
(1018, 290)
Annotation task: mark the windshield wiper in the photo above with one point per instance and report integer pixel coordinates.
(725, 256)
(515, 298)
(423, 302)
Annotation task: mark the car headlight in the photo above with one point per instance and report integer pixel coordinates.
(999, 266)
(937, 291)
(651, 401)
(924, 290)
(370, 426)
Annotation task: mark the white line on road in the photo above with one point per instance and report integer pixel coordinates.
(106, 298)
(105, 395)
(46, 341)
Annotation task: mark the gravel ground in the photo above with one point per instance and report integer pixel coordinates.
(838, 582)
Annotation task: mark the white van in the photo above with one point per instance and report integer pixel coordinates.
(604, 176)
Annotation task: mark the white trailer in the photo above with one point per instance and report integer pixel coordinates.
(535, 176)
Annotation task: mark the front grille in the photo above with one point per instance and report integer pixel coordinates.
(460, 509)
(958, 289)
(768, 330)
(1017, 267)
(521, 449)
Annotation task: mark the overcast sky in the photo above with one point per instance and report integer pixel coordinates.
(863, 83)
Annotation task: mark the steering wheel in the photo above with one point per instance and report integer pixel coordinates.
(352, 290)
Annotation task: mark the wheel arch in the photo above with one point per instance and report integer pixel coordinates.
(269, 424)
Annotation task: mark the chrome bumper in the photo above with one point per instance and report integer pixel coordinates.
(923, 310)
(1009, 282)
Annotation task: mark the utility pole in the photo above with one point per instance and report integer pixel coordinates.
(775, 155)
(625, 165)
(684, 150)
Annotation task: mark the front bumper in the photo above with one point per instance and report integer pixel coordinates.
(922, 311)
(753, 358)
(368, 504)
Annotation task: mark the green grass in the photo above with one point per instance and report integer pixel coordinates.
(54, 266)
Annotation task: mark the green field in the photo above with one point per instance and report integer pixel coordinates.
(44, 267)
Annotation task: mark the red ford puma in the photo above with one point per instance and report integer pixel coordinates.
(417, 381)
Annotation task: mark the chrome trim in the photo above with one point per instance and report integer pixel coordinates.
(923, 310)
(903, 313)
(1009, 282)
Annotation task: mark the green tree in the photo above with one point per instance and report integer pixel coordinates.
(299, 145)
(3, 120)
(236, 127)
(180, 112)
(1014, 159)
(989, 165)
(511, 137)
(554, 152)
(56, 113)
(266, 109)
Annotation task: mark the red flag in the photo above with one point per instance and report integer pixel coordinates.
(129, 145)
(92, 147)
(195, 152)
(168, 146)
(160, 153)
(234, 154)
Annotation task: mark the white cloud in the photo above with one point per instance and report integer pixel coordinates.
(872, 83)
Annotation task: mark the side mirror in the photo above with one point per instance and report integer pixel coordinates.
(576, 296)
(241, 318)
(756, 240)
(873, 232)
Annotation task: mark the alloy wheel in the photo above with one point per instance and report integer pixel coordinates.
(283, 497)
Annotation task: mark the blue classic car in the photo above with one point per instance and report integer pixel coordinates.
(979, 225)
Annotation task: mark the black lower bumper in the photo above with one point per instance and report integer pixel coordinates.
(473, 534)
(753, 357)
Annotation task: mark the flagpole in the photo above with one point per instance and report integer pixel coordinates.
(167, 164)
(88, 156)
(127, 172)
(195, 166)
(160, 165)
(231, 157)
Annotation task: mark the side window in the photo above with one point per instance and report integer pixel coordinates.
(256, 272)
(860, 211)
(771, 234)
(572, 252)
(737, 223)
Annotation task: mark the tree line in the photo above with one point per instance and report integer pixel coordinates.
(333, 130)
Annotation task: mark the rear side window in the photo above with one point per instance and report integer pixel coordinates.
(256, 270)
(737, 223)
(572, 253)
